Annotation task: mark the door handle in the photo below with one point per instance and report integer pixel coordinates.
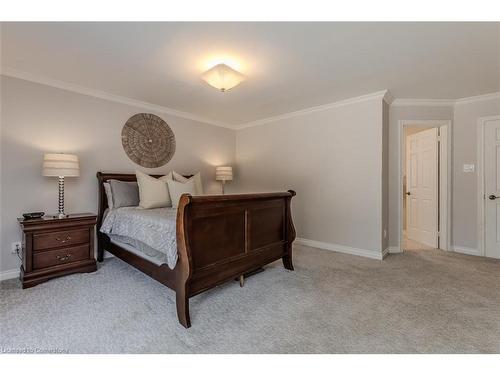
(408, 193)
(493, 197)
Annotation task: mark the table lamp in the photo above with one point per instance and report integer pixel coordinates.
(60, 165)
(224, 174)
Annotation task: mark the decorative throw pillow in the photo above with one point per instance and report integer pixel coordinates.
(125, 194)
(178, 188)
(196, 178)
(109, 196)
(153, 192)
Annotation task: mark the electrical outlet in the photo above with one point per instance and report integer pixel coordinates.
(15, 247)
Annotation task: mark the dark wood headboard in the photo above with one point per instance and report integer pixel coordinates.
(102, 177)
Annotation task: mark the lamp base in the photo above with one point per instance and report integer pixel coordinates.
(62, 215)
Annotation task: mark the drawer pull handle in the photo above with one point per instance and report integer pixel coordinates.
(63, 258)
(68, 238)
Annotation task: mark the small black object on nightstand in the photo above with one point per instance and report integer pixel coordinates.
(55, 247)
(33, 215)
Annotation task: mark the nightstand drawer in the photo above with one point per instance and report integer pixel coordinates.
(57, 239)
(61, 256)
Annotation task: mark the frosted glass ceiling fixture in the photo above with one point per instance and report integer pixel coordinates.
(223, 77)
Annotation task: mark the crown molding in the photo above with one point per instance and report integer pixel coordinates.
(478, 98)
(444, 102)
(10, 72)
(388, 98)
(376, 95)
(423, 103)
(384, 95)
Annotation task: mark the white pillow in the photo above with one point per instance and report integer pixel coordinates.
(153, 192)
(178, 188)
(107, 189)
(196, 178)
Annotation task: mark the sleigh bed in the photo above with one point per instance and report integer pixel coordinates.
(218, 238)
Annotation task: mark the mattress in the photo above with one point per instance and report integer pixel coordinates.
(150, 232)
(158, 260)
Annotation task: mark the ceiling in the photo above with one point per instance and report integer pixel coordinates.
(289, 66)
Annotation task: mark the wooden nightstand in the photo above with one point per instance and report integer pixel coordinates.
(55, 247)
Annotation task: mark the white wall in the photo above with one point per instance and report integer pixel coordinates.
(333, 160)
(37, 119)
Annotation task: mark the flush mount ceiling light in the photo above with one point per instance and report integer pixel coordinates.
(223, 77)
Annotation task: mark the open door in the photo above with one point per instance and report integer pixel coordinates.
(422, 187)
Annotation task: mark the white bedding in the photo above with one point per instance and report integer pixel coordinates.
(150, 231)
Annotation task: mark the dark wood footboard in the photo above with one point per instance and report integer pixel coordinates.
(224, 236)
(219, 237)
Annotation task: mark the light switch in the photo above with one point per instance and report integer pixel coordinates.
(468, 168)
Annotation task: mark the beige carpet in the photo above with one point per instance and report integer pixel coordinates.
(409, 244)
(416, 302)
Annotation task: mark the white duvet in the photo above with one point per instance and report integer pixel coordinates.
(151, 231)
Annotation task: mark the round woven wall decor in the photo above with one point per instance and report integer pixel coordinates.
(148, 140)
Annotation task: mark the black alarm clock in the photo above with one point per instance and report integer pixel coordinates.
(33, 215)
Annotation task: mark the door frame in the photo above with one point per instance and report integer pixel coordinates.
(444, 177)
(481, 198)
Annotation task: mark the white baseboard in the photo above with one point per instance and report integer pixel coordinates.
(340, 248)
(394, 250)
(466, 250)
(391, 250)
(385, 252)
(9, 274)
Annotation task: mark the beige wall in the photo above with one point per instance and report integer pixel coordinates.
(464, 117)
(343, 162)
(37, 119)
(329, 157)
(333, 159)
(464, 208)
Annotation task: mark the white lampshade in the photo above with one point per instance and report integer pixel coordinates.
(223, 77)
(224, 173)
(60, 165)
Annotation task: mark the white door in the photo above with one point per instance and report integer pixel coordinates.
(422, 187)
(492, 188)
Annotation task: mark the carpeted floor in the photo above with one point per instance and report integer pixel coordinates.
(421, 301)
